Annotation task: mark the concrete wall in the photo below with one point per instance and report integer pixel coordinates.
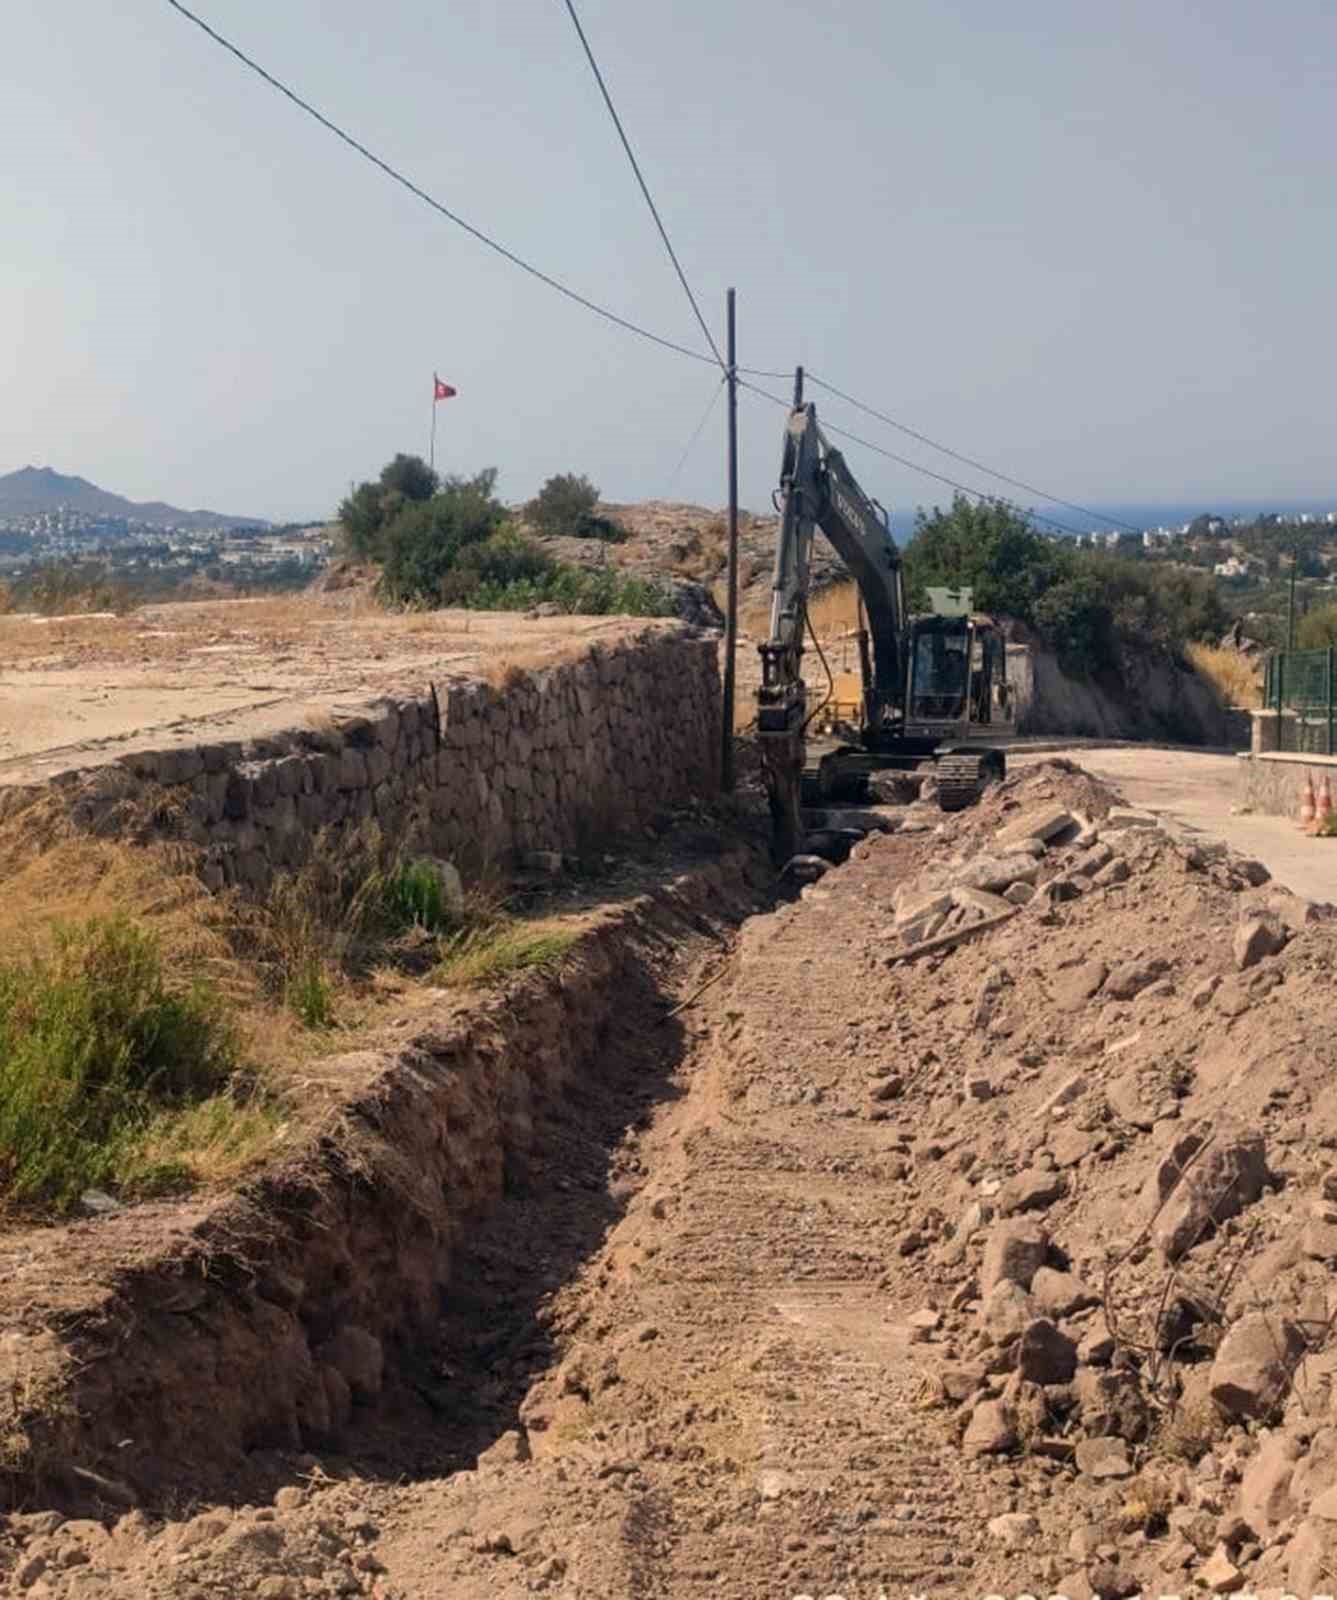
(1271, 783)
(547, 759)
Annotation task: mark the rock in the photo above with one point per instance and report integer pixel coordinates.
(97, 1203)
(28, 1572)
(1103, 1458)
(1324, 1506)
(1032, 1190)
(1005, 1311)
(1254, 1364)
(1060, 1294)
(1330, 1184)
(359, 1359)
(1116, 872)
(805, 868)
(1131, 977)
(1014, 1530)
(1044, 1354)
(1015, 1251)
(977, 1085)
(1069, 1146)
(1019, 894)
(1124, 1097)
(1219, 1573)
(1265, 1500)
(1319, 1240)
(1219, 1184)
(976, 900)
(1074, 986)
(1255, 939)
(889, 1088)
(289, 1498)
(994, 874)
(1201, 994)
(990, 1431)
(507, 1450)
(1110, 1403)
(1096, 1347)
(960, 1382)
(1041, 822)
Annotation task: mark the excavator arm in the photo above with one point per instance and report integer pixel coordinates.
(818, 491)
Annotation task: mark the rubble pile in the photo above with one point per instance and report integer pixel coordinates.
(1129, 1255)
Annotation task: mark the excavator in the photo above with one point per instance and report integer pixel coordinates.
(931, 691)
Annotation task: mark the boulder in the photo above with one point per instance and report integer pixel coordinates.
(1005, 1310)
(990, 1431)
(1255, 939)
(1131, 977)
(1074, 986)
(1219, 1573)
(1103, 1459)
(1265, 1500)
(1060, 1294)
(1041, 823)
(1069, 1146)
(1015, 1251)
(1014, 1530)
(1032, 1190)
(1117, 871)
(993, 874)
(1219, 1184)
(1254, 1365)
(1044, 1354)
(1110, 1403)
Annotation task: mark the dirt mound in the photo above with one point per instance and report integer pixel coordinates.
(993, 1260)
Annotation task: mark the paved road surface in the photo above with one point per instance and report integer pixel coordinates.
(1198, 791)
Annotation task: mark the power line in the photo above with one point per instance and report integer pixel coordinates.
(436, 205)
(956, 455)
(914, 466)
(697, 432)
(645, 189)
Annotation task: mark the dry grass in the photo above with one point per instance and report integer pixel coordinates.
(1236, 679)
(1148, 1501)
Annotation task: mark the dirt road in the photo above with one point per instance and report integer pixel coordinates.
(1199, 791)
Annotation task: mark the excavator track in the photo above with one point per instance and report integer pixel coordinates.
(962, 778)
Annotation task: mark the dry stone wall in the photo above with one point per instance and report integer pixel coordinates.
(546, 759)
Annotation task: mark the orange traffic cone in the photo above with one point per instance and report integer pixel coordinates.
(1307, 803)
(1324, 807)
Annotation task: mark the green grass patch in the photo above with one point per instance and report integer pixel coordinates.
(103, 1061)
(416, 897)
(488, 955)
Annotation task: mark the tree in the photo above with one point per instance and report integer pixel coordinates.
(561, 503)
(371, 507)
(424, 540)
(989, 547)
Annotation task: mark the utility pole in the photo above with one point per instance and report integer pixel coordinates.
(731, 612)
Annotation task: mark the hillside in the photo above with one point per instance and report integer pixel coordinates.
(31, 491)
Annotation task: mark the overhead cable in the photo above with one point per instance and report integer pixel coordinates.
(436, 205)
(914, 466)
(640, 179)
(956, 455)
(696, 433)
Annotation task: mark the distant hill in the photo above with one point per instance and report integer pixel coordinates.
(32, 490)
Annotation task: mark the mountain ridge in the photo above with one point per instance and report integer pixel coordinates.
(31, 491)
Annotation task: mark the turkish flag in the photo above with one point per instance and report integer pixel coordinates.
(443, 390)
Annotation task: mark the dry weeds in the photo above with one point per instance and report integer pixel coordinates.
(1235, 677)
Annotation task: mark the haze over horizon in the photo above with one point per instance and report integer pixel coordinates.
(1090, 251)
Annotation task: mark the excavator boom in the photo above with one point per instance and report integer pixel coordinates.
(817, 490)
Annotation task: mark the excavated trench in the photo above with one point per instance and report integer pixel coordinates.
(379, 1294)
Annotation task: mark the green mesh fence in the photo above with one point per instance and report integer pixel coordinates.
(1298, 685)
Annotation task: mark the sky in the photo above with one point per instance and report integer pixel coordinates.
(1092, 246)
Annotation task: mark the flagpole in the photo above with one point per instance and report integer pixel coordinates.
(432, 453)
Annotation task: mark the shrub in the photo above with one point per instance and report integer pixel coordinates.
(576, 592)
(561, 503)
(1318, 630)
(503, 559)
(425, 540)
(416, 897)
(591, 526)
(96, 1047)
(371, 507)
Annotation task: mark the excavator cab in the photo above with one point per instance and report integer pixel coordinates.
(956, 678)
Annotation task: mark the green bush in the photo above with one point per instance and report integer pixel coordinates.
(503, 559)
(370, 509)
(576, 592)
(95, 1047)
(589, 525)
(416, 897)
(423, 542)
(561, 503)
